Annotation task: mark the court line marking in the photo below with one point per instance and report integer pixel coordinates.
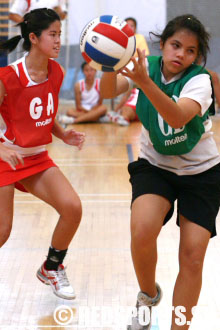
(130, 153)
(88, 159)
(82, 194)
(83, 201)
(91, 164)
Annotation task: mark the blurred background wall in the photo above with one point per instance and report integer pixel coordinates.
(151, 15)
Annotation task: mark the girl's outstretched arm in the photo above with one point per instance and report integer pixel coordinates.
(112, 85)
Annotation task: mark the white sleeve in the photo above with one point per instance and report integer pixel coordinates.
(19, 7)
(199, 89)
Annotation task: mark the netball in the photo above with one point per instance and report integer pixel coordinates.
(107, 43)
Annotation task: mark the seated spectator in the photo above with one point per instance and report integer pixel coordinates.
(20, 7)
(140, 39)
(216, 86)
(125, 110)
(89, 107)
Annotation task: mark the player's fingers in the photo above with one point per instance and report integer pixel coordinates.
(134, 60)
(16, 159)
(10, 163)
(80, 145)
(20, 159)
(141, 53)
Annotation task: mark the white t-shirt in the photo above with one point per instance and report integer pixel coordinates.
(205, 154)
(89, 98)
(20, 7)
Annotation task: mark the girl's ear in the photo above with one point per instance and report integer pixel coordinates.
(33, 38)
(161, 44)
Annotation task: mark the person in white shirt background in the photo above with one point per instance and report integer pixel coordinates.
(20, 7)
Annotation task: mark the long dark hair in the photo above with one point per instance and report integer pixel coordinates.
(191, 23)
(35, 21)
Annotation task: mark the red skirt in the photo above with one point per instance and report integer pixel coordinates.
(32, 165)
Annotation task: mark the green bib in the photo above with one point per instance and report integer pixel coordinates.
(165, 139)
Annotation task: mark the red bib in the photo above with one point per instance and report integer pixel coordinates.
(29, 112)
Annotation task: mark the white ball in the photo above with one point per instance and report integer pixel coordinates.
(107, 43)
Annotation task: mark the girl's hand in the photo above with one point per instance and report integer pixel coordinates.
(74, 138)
(13, 158)
(139, 72)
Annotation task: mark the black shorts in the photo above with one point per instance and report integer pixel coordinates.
(198, 196)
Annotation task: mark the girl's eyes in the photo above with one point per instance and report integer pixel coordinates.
(175, 45)
(54, 34)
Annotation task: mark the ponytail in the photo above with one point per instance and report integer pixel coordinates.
(9, 45)
(35, 22)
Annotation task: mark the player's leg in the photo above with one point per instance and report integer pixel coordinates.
(52, 187)
(93, 115)
(6, 212)
(72, 112)
(69, 117)
(147, 216)
(152, 204)
(193, 244)
(128, 113)
(124, 116)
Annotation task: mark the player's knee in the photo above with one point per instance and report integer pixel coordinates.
(70, 112)
(103, 110)
(142, 235)
(72, 210)
(191, 262)
(4, 234)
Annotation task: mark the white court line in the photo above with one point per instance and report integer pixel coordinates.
(91, 164)
(88, 159)
(83, 201)
(83, 194)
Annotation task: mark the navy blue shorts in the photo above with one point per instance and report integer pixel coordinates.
(198, 196)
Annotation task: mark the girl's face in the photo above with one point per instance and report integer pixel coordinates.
(89, 72)
(49, 41)
(179, 52)
(131, 24)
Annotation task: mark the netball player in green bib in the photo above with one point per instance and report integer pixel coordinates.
(178, 160)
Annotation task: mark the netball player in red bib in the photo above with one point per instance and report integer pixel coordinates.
(29, 91)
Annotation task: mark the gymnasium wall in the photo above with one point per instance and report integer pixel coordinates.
(151, 15)
(208, 12)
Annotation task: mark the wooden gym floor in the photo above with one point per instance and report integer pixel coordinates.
(98, 263)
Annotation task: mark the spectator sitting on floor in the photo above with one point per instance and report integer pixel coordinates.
(89, 107)
(216, 86)
(125, 110)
